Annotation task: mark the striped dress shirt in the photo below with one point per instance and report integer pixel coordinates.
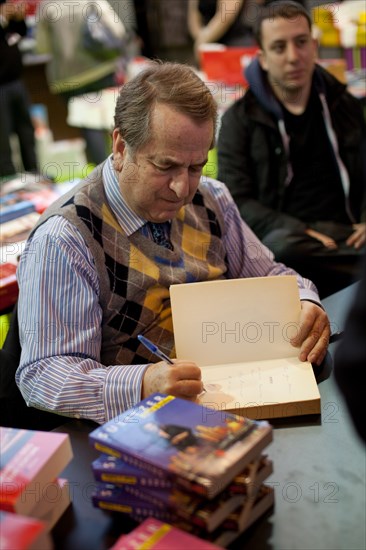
(60, 316)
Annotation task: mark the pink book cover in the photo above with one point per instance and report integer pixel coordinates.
(156, 535)
(29, 460)
(22, 533)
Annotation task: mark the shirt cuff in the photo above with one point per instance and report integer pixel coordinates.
(122, 388)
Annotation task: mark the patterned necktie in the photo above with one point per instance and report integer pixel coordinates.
(160, 234)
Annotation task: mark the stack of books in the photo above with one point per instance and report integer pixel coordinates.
(196, 468)
(32, 496)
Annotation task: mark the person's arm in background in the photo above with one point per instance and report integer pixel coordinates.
(60, 333)
(194, 19)
(236, 170)
(226, 13)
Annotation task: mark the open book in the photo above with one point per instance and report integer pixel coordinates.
(238, 332)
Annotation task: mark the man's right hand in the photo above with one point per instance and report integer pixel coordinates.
(328, 242)
(182, 379)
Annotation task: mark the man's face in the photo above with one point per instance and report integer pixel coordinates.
(288, 54)
(164, 174)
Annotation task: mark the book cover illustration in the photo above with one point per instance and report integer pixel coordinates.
(153, 534)
(28, 461)
(110, 469)
(201, 448)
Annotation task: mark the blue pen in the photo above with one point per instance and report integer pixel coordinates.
(154, 349)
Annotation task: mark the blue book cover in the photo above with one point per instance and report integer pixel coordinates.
(110, 469)
(200, 448)
(12, 206)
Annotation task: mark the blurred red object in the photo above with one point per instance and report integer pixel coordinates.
(226, 64)
(30, 6)
(8, 285)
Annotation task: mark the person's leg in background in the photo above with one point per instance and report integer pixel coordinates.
(23, 126)
(96, 139)
(96, 144)
(7, 167)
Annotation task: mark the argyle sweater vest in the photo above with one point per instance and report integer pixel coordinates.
(135, 273)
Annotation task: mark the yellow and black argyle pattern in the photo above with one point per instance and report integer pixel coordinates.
(135, 273)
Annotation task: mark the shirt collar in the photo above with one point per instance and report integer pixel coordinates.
(127, 218)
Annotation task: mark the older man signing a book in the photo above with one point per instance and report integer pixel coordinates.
(96, 270)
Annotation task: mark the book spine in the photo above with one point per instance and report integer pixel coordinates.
(120, 479)
(137, 510)
(108, 469)
(183, 504)
(138, 462)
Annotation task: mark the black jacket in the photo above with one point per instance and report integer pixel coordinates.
(252, 155)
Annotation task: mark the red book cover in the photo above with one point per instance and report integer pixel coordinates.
(23, 533)
(8, 285)
(29, 461)
(155, 535)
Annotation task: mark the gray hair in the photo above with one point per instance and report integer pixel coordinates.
(172, 84)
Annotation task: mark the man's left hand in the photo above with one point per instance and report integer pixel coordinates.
(313, 335)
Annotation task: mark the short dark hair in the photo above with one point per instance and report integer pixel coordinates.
(287, 9)
(173, 84)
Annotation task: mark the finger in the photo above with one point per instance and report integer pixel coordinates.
(315, 346)
(330, 244)
(314, 324)
(306, 324)
(360, 242)
(319, 351)
(183, 370)
(187, 388)
(351, 241)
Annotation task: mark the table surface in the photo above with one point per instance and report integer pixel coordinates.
(319, 478)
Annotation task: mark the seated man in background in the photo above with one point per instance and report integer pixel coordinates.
(96, 271)
(292, 151)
